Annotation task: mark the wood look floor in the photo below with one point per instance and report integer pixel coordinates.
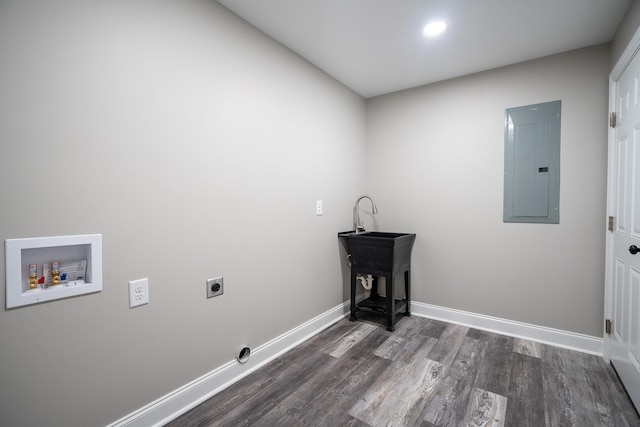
(426, 373)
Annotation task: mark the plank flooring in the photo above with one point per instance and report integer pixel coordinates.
(427, 373)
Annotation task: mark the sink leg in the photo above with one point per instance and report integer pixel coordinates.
(374, 287)
(390, 302)
(407, 291)
(353, 317)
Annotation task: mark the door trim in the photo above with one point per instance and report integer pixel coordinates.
(621, 65)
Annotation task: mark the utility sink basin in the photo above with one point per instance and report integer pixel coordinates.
(378, 252)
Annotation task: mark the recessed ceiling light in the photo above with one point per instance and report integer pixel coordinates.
(434, 28)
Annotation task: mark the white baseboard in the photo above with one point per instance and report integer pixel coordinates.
(191, 395)
(555, 337)
(179, 401)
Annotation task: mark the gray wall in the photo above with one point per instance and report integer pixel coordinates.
(625, 32)
(197, 147)
(436, 168)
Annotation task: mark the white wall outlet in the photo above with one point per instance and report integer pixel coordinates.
(138, 292)
(319, 207)
(215, 287)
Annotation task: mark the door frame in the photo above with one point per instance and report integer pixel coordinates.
(621, 65)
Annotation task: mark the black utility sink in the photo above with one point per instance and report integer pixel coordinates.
(378, 251)
(345, 236)
(380, 254)
(344, 240)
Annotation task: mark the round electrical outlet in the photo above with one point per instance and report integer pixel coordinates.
(215, 287)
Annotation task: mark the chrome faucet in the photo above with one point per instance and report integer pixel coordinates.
(357, 222)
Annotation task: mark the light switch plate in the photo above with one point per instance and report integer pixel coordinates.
(138, 292)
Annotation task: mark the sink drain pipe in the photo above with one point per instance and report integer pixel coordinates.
(367, 283)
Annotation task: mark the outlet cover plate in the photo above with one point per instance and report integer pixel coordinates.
(215, 287)
(138, 292)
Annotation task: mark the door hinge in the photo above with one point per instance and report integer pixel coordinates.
(607, 326)
(610, 223)
(612, 119)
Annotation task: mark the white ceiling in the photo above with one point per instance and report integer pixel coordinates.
(376, 46)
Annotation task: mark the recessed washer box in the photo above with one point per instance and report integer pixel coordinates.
(68, 251)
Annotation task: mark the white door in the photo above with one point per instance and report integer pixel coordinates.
(623, 281)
